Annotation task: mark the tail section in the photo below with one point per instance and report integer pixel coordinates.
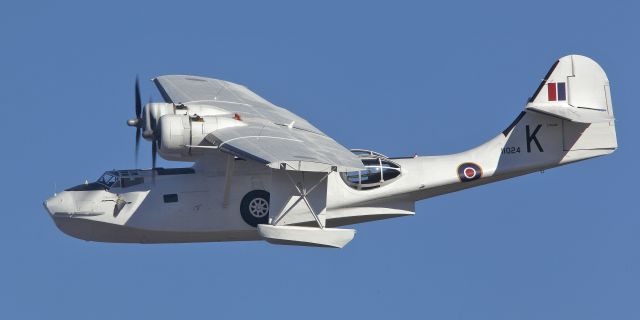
(568, 119)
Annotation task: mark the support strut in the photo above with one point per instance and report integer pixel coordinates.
(303, 192)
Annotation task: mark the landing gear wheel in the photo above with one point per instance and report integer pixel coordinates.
(254, 208)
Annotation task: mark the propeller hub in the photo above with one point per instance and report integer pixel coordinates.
(134, 122)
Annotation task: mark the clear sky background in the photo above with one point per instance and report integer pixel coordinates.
(395, 77)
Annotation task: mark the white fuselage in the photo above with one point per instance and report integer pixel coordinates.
(175, 206)
(295, 184)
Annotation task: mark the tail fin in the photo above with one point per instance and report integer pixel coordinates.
(568, 119)
(575, 89)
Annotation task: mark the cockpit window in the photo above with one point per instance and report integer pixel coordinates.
(378, 171)
(120, 179)
(109, 179)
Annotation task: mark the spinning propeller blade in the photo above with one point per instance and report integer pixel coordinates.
(150, 132)
(138, 100)
(138, 113)
(155, 144)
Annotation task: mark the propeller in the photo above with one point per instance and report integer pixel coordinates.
(149, 131)
(138, 113)
(137, 122)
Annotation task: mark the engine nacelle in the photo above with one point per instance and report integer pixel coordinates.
(153, 111)
(177, 132)
(151, 114)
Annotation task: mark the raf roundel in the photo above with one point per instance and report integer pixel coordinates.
(469, 171)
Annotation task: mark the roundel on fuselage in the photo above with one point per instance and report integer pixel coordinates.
(469, 171)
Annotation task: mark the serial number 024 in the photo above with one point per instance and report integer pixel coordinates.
(510, 150)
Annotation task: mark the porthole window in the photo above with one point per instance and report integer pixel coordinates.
(168, 198)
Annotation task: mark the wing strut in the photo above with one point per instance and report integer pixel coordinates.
(321, 236)
(303, 192)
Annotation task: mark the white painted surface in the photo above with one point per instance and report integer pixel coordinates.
(209, 200)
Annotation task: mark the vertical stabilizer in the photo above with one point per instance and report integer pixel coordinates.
(575, 89)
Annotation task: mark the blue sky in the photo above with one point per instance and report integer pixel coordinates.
(396, 77)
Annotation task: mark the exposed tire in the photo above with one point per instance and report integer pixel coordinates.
(254, 208)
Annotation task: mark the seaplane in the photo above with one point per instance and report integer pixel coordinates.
(260, 172)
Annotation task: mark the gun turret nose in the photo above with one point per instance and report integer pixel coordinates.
(60, 204)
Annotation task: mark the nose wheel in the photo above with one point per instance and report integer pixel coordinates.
(254, 208)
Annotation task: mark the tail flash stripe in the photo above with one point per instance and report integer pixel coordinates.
(546, 77)
(562, 92)
(551, 90)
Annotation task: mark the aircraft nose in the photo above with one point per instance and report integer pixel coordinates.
(60, 204)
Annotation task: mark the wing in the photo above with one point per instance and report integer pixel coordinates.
(228, 96)
(274, 146)
(272, 136)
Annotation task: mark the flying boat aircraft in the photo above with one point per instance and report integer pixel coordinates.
(261, 172)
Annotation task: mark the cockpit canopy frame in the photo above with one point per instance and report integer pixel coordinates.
(380, 170)
(120, 178)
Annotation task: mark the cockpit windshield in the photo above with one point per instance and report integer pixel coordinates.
(108, 179)
(121, 178)
(114, 179)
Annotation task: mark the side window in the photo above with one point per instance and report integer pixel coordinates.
(389, 173)
(389, 164)
(371, 175)
(168, 198)
(116, 184)
(128, 182)
(378, 172)
(371, 162)
(353, 177)
(390, 170)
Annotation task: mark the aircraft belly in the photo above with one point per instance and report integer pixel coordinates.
(92, 230)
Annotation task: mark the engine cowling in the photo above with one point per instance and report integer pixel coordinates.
(178, 132)
(153, 112)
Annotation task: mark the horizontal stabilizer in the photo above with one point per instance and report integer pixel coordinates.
(306, 236)
(574, 114)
